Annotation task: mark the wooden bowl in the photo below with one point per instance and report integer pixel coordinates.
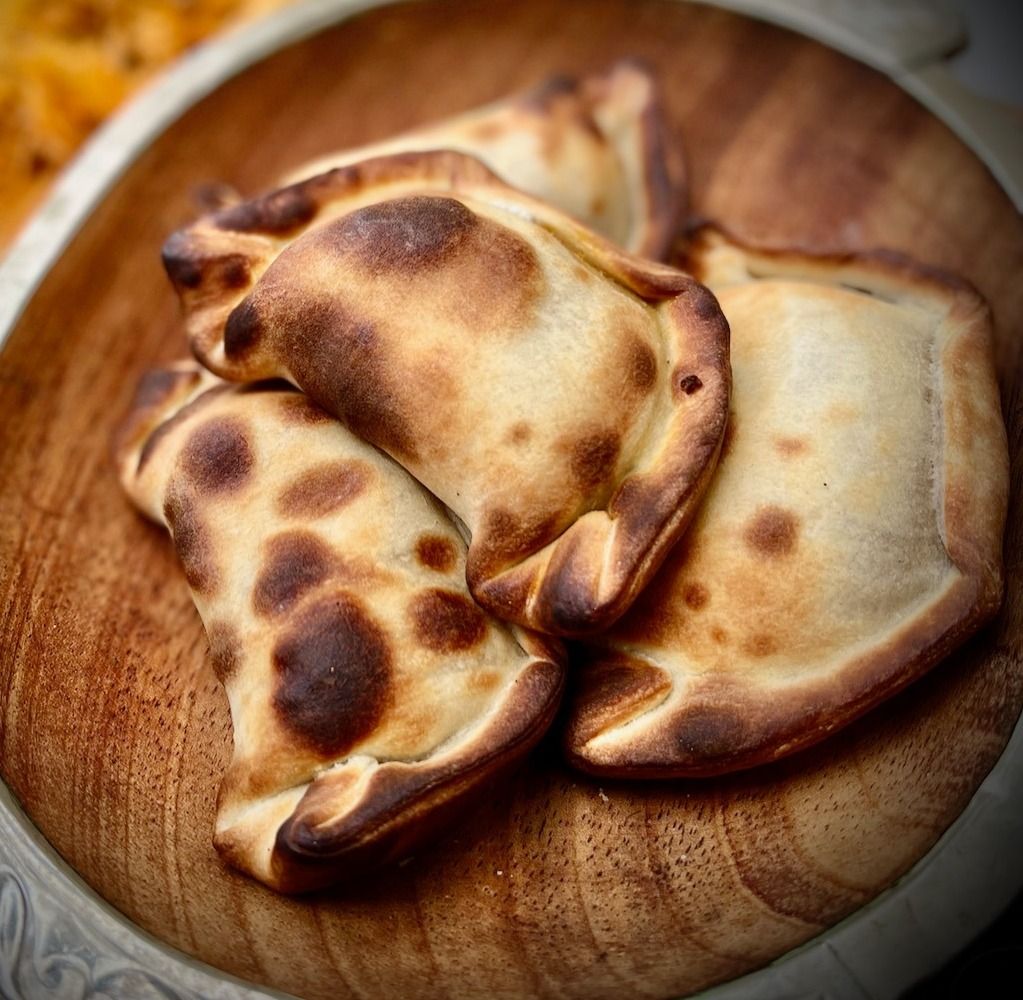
(115, 732)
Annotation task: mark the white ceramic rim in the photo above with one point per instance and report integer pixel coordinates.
(58, 937)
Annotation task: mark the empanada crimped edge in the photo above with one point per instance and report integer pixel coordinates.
(585, 578)
(650, 153)
(338, 820)
(621, 108)
(730, 723)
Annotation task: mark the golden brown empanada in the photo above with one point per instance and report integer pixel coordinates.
(368, 693)
(597, 147)
(851, 536)
(564, 399)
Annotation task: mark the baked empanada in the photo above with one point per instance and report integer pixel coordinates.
(564, 399)
(598, 148)
(368, 693)
(851, 536)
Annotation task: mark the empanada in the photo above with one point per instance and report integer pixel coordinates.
(851, 536)
(368, 693)
(598, 148)
(564, 399)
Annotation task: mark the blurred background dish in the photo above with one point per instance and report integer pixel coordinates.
(66, 65)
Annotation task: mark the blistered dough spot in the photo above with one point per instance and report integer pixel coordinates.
(218, 456)
(773, 532)
(323, 489)
(333, 676)
(294, 563)
(436, 552)
(446, 622)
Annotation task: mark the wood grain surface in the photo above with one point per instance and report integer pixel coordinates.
(115, 732)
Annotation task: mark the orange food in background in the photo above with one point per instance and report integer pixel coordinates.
(65, 65)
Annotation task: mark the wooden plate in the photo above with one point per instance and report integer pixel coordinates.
(115, 732)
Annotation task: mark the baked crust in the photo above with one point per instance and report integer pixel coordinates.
(598, 147)
(441, 315)
(760, 637)
(369, 696)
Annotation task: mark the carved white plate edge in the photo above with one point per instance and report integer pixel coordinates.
(59, 939)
